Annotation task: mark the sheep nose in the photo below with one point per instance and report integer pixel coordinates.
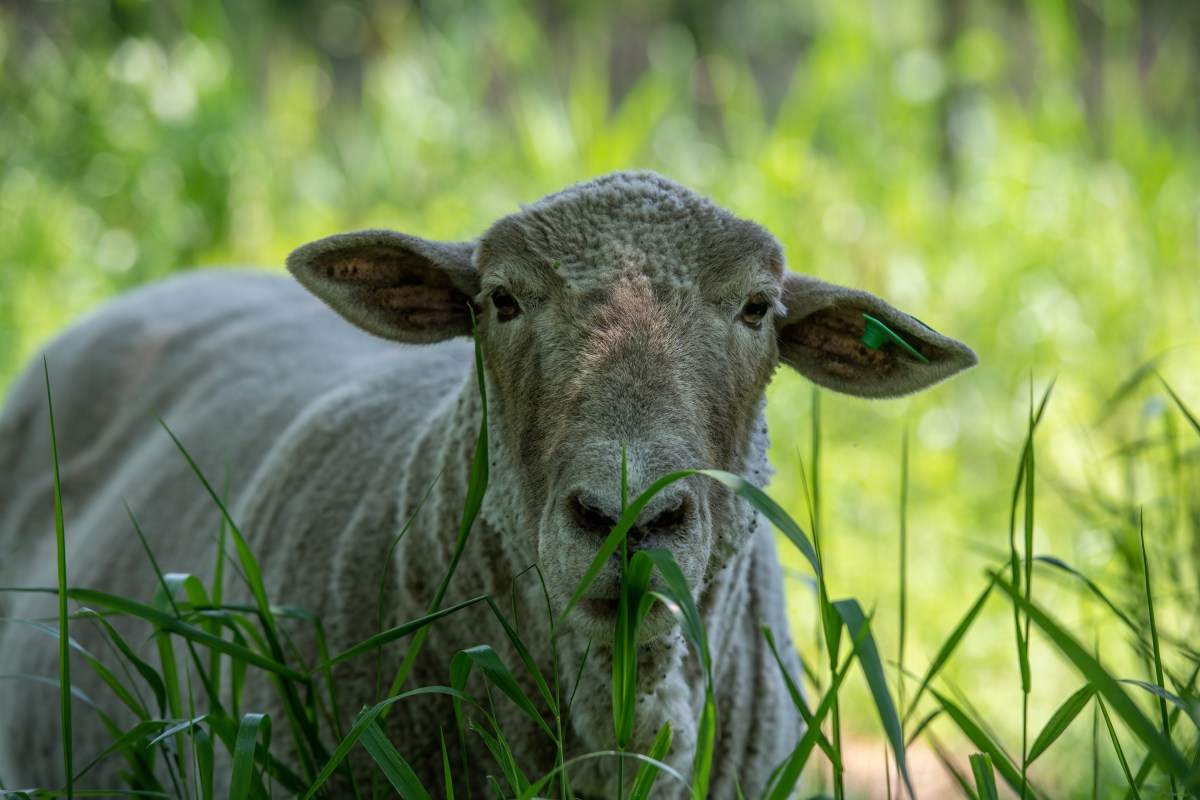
(667, 517)
(588, 518)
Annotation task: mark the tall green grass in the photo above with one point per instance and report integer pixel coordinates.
(1152, 719)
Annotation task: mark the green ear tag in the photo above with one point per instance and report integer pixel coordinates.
(877, 334)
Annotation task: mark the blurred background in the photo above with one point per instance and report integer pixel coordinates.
(1021, 174)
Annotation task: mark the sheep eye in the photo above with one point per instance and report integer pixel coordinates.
(753, 312)
(506, 305)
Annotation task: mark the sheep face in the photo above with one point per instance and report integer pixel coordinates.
(625, 313)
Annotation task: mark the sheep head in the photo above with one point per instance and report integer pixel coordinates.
(628, 313)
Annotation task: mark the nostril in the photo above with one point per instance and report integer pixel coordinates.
(666, 523)
(671, 520)
(590, 519)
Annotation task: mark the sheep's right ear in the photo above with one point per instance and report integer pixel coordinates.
(392, 285)
(853, 342)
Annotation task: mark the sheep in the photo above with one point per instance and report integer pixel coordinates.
(622, 311)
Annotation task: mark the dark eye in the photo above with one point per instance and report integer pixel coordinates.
(753, 312)
(506, 305)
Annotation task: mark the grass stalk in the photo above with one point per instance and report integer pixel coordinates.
(624, 650)
(1156, 651)
(830, 622)
(476, 488)
(64, 645)
(1022, 567)
(903, 611)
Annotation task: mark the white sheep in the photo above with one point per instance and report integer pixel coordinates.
(626, 310)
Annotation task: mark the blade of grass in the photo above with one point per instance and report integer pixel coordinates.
(393, 765)
(1058, 563)
(1025, 487)
(532, 791)
(114, 683)
(948, 647)
(365, 718)
(1127, 387)
(985, 777)
(1030, 497)
(246, 557)
(1120, 751)
(493, 667)
(922, 725)
(381, 611)
(1095, 742)
(1148, 762)
(705, 737)
(647, 773)
(788, 774)
(632, 607)
(1060, 721)
(164, 600)
(64, 648)
(175, 727)
(868, 658)
(1168, 758)
(164, 597)
(242, 774)
(1156, 652)
(1000, 759)
(948, 764)
(148, 673)
(616, 537)
(398, 632)
(170, 673)
(477, 484)
(903, 611)
(217, 590)
(831, 624)
(141, 730)
(202, 747)
(1165, 697)
(447, 776)
(498, 746)
(314, 750)
(226, 729)
(677, 597)
(1187, 412)
(334, 712)
(123, 605)
(800, 705)
(624, 689)
(531, 664)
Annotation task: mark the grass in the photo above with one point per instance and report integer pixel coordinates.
(188, 722)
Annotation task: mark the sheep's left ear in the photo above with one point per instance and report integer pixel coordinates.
(391, 284)
(853, 342)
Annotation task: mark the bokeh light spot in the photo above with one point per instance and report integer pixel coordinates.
(116, 250)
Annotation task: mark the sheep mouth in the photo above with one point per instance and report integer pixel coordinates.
(599, 615)
(605, 607)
